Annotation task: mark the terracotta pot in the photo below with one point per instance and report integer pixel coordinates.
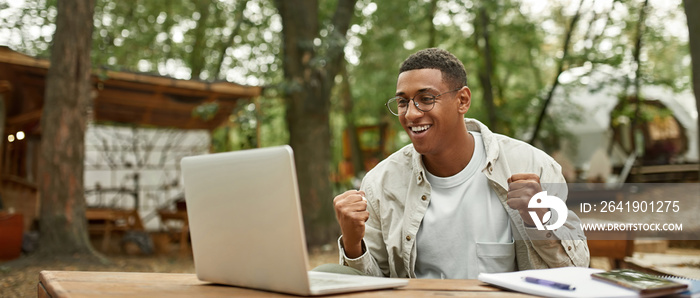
(11, 230)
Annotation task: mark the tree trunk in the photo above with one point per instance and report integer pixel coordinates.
(432, 31)
(486, 70)
(565, 49)
(63, 124)
(692, 7)
(310, 77)
(347, 103)
(637, 77)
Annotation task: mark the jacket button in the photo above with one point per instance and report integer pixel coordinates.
(408, 238)
(423, 198)
(569, 248)
(549, 235)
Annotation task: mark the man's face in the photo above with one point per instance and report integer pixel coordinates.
(429, 131)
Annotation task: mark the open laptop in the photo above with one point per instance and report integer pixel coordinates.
(246, 226)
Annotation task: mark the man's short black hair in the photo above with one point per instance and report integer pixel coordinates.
(452, 69)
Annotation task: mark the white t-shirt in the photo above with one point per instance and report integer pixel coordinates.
(465, 230)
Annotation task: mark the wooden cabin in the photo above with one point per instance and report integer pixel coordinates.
(119, 97)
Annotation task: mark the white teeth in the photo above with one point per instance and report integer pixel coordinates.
(420, 128)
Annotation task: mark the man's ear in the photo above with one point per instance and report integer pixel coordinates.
(465, 99)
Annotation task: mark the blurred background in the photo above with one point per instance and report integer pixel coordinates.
(604, 86)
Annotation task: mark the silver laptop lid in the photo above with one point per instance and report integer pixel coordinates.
(242, 230)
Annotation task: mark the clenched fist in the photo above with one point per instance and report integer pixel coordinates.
(351, 212)
(522, 187)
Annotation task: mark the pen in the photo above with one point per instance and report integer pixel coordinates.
(549, 283)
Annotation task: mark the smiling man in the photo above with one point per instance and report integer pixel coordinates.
(454, 203)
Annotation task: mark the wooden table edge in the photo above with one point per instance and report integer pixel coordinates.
(46, 278)
(49, 283)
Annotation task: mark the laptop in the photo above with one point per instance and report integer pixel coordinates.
(246, 225)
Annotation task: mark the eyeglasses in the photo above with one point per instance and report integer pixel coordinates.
(424, 102)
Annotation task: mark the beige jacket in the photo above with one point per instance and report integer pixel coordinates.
(398, 195)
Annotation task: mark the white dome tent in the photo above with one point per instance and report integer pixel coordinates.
(594, 94)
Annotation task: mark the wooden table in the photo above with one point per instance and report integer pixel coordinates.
(131, 284)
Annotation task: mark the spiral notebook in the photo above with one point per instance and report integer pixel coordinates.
(577, 277)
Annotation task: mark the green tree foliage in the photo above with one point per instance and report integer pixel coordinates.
(236, 41)
(241, 41)
(29, 28)
(187, 39)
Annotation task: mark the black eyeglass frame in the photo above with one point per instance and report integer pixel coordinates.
(415, 103)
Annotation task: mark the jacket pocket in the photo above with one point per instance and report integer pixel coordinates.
(495, 257)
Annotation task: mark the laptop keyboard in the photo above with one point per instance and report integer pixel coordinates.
(329, 282)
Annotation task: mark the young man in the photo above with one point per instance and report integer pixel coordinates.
(454, 203)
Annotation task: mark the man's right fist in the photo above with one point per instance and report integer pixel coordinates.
(351, 212)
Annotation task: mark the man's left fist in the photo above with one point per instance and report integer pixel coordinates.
(521, 188)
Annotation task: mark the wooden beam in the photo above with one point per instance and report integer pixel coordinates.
(146, 100)
(224, 88)
(142, 100)
(176, 91)
(173, 122)
(159, 117)
(24, 118)
(11, 57)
